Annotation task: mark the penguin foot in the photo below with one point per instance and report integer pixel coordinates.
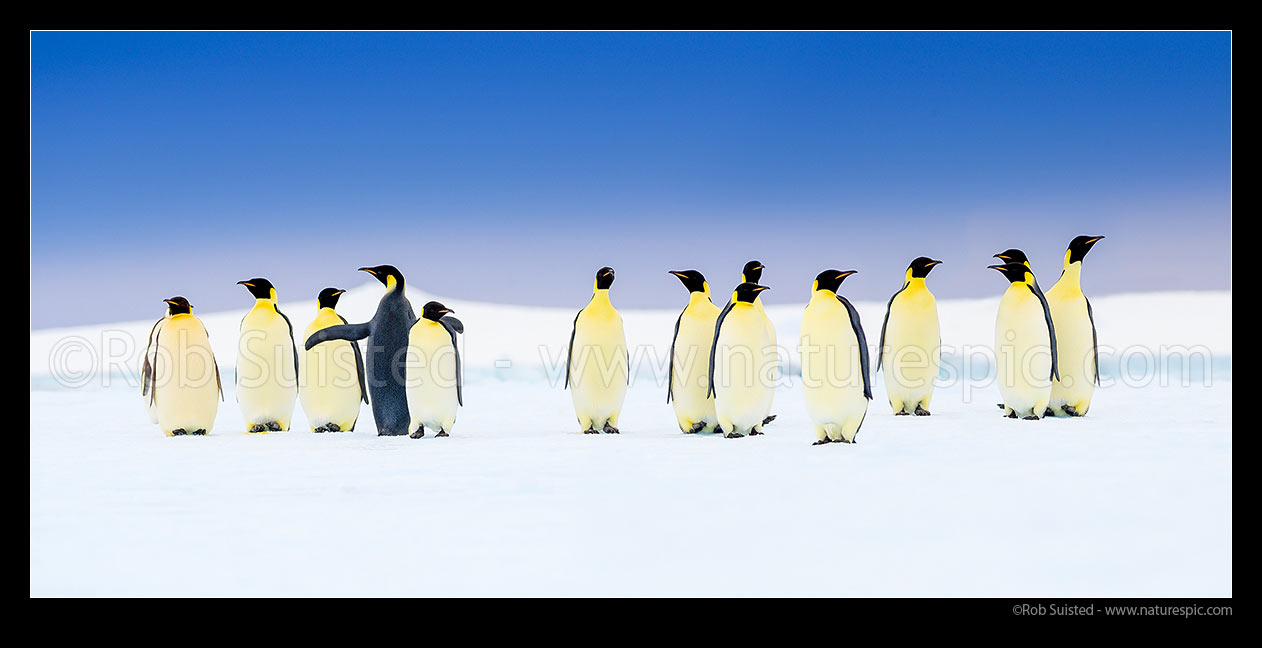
(1069, 409)
(920, 411)
(733, 435)
(718, 429)
(442, 433)
(842, 440)
(696, 427)
(319, 430)
(258, 427)
(823, 441)
(590, 431)
(1049, 412)
(333, 427)
(755, 432)
(999, 405)
(179, 432)
(273, 427)
(418, 433)
(1030, 418)
(609, 429)
(768, 420)
(198, 432)
(901, 413)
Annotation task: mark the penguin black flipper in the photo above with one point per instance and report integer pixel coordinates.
(147, 370)
(1051, 329)
(350, 332)
(569, 355)
(454, 323)
(670, 370)
(359, 366)
(453, 326)
(218, 381)
(1095, 349)
(292, 343)
(863, 347)
(153, 388)
(880, 351)
(718, 324)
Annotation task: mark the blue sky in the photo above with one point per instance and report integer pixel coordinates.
(510, 166)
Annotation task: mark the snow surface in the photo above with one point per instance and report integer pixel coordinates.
(1132, 500)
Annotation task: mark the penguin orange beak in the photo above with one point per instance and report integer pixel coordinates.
(847, 274)
(368, 270)
(170, 302)
(1002, 256)
(245, 283)
(932, 263)
(338, 293)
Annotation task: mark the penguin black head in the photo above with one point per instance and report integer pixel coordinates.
(259, 287)
(831, 279)
(694, 281)
(921, 266)
(1079, 247)
(752, 272)
(748, 292)
(1014, 270)
(178, 305)
(384, 274)
(604, 278)
(1012, 255)
(434, 311)
(328, 297)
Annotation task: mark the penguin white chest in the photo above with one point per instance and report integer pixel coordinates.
(744, 364)
(329, 379)
(267, 385)
(431, 377)
(598, 366)
(186, 387)
(775, 357)
(1075, 350)
(1023, 352)
(691, 364)
(912, 355)
(832, 370)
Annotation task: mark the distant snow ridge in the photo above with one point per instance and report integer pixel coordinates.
(1142, 332)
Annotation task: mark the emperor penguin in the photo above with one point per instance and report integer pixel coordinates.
(1078, 356)
(385, 363)
(267, 362)
(433, 371)
(183, 395)
(598, 365)
(752, 273)
(1025, 345)
(331, 377)
(688, 383)
(741, 364)
(912, 340)
(835, 376)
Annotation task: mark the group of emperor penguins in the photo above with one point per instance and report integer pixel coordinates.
(723, 362)
(722, 371)
(412, 367)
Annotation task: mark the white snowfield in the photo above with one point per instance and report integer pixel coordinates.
(1132, 500)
